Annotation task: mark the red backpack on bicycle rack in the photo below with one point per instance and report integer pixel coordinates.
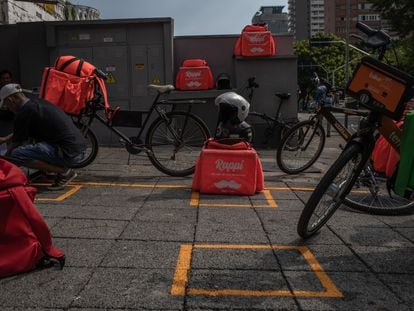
(71, 83)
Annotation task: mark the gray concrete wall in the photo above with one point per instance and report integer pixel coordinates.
(274, 74)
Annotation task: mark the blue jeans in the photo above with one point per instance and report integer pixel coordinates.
(46, 153)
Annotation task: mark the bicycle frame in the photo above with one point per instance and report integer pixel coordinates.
(154, 107)
(327, 113)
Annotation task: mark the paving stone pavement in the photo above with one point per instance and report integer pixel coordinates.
(135, 240)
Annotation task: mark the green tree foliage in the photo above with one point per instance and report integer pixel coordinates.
(400, 14)
(325, 59)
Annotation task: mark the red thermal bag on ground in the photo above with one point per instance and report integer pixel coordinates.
(25, 238)
(194, 74)
(228, 169)
(70, 84)
(255, 41)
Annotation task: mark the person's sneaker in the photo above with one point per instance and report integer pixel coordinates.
(62, 180)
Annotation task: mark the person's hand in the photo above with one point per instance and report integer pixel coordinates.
(5, 139)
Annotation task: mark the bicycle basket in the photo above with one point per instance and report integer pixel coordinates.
(380, 87)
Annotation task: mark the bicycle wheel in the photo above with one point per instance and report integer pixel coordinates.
(91, 149)
(328, 195)
(169, 155)
(300, 147)
(370, 195)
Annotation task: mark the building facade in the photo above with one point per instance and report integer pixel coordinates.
(362, 11)
(308, 17)
(273, 16)
(18, 11)
(317, 16)
(299, 18)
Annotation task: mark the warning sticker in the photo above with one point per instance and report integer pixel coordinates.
(110, 79)
(140, 66)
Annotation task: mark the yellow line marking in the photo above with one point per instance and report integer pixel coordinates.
(181, 271)
(195, 198)
(270, 200)
(75, 188)
(180, 281)
(224, 205)
(107, 184)
(331, 289)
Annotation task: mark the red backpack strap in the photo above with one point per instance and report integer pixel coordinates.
(102, 86)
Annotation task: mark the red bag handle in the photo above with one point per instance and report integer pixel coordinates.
(228, 144)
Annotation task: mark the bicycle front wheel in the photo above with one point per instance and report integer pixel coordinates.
(328, 195)
(300, 147)
(370, 194)
(175, 143)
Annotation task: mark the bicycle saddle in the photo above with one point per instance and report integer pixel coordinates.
(162, 88)
(375, 38)
(283, 95)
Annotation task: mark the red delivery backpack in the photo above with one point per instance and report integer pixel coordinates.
(255, 41)
(71, 83)
(194, 74)
(228, 169)
(25, 240)
(384, 158)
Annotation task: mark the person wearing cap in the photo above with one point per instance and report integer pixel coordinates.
(58, 144)
(6, 77)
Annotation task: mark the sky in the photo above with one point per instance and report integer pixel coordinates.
(191, 17)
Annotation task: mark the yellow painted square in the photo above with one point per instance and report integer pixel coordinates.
(73, 189)
(184, 265)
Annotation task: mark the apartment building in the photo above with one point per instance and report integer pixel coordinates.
(274, 17)
(18, 11)
(317, 16)
(308, 17)
(299, 18)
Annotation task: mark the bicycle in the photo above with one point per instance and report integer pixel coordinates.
(309, 138)
(336, 185)
(272, 123)
(172, 142)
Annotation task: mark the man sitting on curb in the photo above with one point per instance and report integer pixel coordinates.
(58, 144)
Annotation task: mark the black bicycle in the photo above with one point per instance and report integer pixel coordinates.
(338, 184)
(173, 140)
(308, 138)
(274, 125)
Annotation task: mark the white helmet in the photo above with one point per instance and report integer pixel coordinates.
(232, 107)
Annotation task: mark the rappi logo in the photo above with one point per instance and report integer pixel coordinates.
(193, 74)
(222, 165)
(256, 38)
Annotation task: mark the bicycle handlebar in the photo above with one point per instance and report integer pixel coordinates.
(251, 83)
(101, 74)
(365, 29)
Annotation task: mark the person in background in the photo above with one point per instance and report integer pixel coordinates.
(58, 144)
(6, 77)
(6, 116)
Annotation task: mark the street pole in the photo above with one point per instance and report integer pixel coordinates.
(347, 24)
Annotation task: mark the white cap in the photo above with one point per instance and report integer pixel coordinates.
(9, 89)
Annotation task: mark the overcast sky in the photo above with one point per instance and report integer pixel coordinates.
(191, 17)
